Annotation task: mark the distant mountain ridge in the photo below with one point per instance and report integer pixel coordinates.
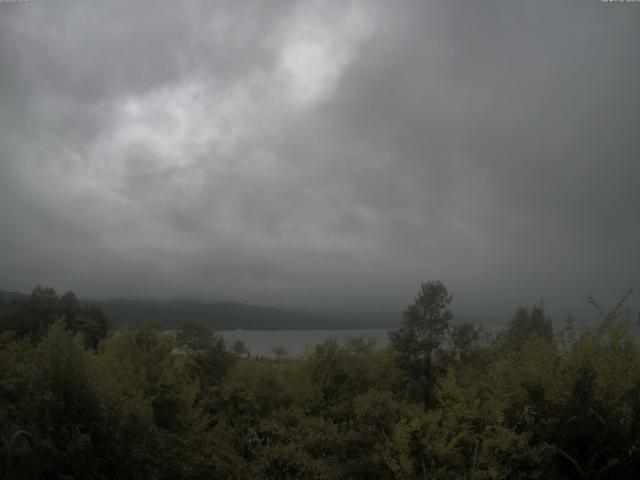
(8, 296)
(233, 315)
(229, 315)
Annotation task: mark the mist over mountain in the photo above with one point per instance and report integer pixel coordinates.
(204, 192)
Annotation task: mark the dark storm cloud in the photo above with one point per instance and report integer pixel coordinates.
(322, 154)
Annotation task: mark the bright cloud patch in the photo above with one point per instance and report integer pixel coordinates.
(204, 121)
(316, 49)
(171, 130)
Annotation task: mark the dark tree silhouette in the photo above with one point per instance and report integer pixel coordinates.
(423, 329)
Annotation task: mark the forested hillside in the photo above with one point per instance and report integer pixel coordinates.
(232, 315)
(227, 315)
(442, 401)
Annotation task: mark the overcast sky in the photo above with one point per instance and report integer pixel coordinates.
(322, 155)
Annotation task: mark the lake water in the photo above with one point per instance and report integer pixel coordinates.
(261, 342)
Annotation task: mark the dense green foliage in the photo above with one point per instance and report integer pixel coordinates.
(32, 316)
(144, 405)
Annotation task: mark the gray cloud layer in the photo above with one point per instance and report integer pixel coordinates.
(322, 154)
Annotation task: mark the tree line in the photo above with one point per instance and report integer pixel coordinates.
(441, 401)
